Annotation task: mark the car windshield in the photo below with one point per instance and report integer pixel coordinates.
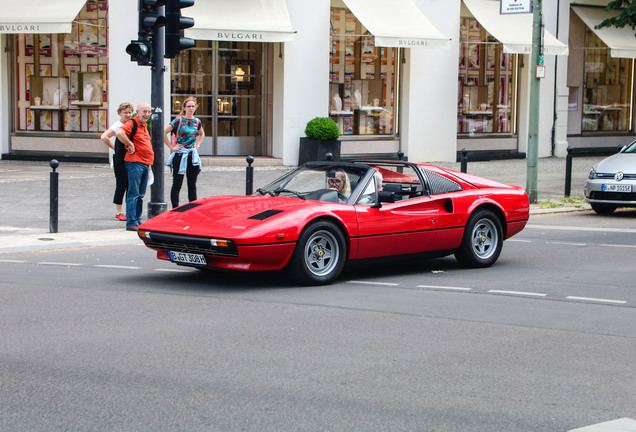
(630, 148)
(333, 182)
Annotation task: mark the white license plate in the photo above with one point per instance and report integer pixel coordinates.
(617, 188)
(187, 258)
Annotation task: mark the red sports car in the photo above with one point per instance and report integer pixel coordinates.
(314, 219)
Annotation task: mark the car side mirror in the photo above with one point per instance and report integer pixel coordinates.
(383, 197)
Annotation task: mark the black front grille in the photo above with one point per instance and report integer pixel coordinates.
(189, 244)
(612, 196)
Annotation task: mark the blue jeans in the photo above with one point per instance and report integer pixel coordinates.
(137, 183)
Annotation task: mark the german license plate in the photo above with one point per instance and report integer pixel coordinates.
(187, 258)
(617, 188)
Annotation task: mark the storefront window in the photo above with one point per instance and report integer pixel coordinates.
(607, 96)
(227, 80)
(362, 78)
(487, 83)
(61, 81)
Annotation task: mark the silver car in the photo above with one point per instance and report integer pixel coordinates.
(611, 183)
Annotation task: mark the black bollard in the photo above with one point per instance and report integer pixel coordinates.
(568, 172)
(54, 196)
(400, 155)
(249, 175)
(464, 161)
(328, 156)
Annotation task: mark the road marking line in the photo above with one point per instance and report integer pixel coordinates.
(520, 293)
(566, 243)
(519, 241)
(117, 267)
(373, 283)
(579, 228)
(619, 425)
(172, 270)
(599, 300)
(49, 263)
(14, 261)
(439, 287)
(618, 245)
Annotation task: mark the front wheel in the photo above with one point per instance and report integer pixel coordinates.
(482, 241)
(320, 254)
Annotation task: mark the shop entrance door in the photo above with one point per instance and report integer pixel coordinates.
(229, 80)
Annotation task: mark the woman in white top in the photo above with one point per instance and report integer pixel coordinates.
(125, 112)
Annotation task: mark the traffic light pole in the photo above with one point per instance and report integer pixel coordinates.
(157, 204)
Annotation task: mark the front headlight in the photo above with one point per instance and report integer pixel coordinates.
(592, 174)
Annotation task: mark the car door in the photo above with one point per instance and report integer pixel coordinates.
(409, 225)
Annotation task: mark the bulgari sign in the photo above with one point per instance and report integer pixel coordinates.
(240, 36)
(19, 28)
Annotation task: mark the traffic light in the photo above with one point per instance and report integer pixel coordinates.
(174, 24)
(149, 17)
(140, 51)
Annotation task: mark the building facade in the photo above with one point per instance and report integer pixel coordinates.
(424, 77)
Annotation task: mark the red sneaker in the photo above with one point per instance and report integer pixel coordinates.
(120, 216)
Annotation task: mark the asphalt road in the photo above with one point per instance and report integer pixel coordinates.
(109, 338)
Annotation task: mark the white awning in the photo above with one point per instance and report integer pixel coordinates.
(38, 16)
(240, 21)
(397, 23)
(621, 41)
(514, 31)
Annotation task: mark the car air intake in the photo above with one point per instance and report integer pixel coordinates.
(265, 214)
(185, 207)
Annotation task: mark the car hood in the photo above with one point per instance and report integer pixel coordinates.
(625, 162)
(232, 217)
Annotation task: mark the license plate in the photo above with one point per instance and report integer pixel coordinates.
(617, 188)
(187, 258)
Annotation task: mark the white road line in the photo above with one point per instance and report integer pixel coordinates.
(580, 228)
(59, 264)
(597, 300)
(519, 293)
(519, 240)
(566, 243)
(117, 267)
(14, 261)
(439, 287)
(618, 245)
(619, 425)
(172, 270)
(373, 283)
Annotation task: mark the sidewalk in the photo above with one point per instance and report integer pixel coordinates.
(87, 216)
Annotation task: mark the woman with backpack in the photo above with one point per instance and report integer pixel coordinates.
(183, 136)
(125, 112)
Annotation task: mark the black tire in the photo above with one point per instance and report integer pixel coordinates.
(603, 209)
(320, 254)
(482, 241)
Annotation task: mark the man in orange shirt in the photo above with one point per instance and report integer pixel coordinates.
(138, 160)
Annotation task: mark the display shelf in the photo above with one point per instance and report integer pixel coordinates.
(90, 89)
(48, 93)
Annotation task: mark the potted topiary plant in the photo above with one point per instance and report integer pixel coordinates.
(322, 135)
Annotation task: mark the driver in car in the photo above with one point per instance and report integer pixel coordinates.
(339, 181)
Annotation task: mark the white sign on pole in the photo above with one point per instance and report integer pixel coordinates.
(515, 6)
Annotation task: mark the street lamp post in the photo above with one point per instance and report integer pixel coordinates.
(535, 87)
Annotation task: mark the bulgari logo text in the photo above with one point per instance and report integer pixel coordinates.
(405, 42)
(19, 28)
(244, 36)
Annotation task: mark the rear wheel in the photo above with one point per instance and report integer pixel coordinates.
(603, 209)
(483, 240)
(319, 255)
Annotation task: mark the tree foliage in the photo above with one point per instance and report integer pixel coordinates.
(626, 16)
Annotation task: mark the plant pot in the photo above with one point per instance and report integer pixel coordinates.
(315, 150)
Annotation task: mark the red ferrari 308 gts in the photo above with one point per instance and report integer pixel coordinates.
(314, 219)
